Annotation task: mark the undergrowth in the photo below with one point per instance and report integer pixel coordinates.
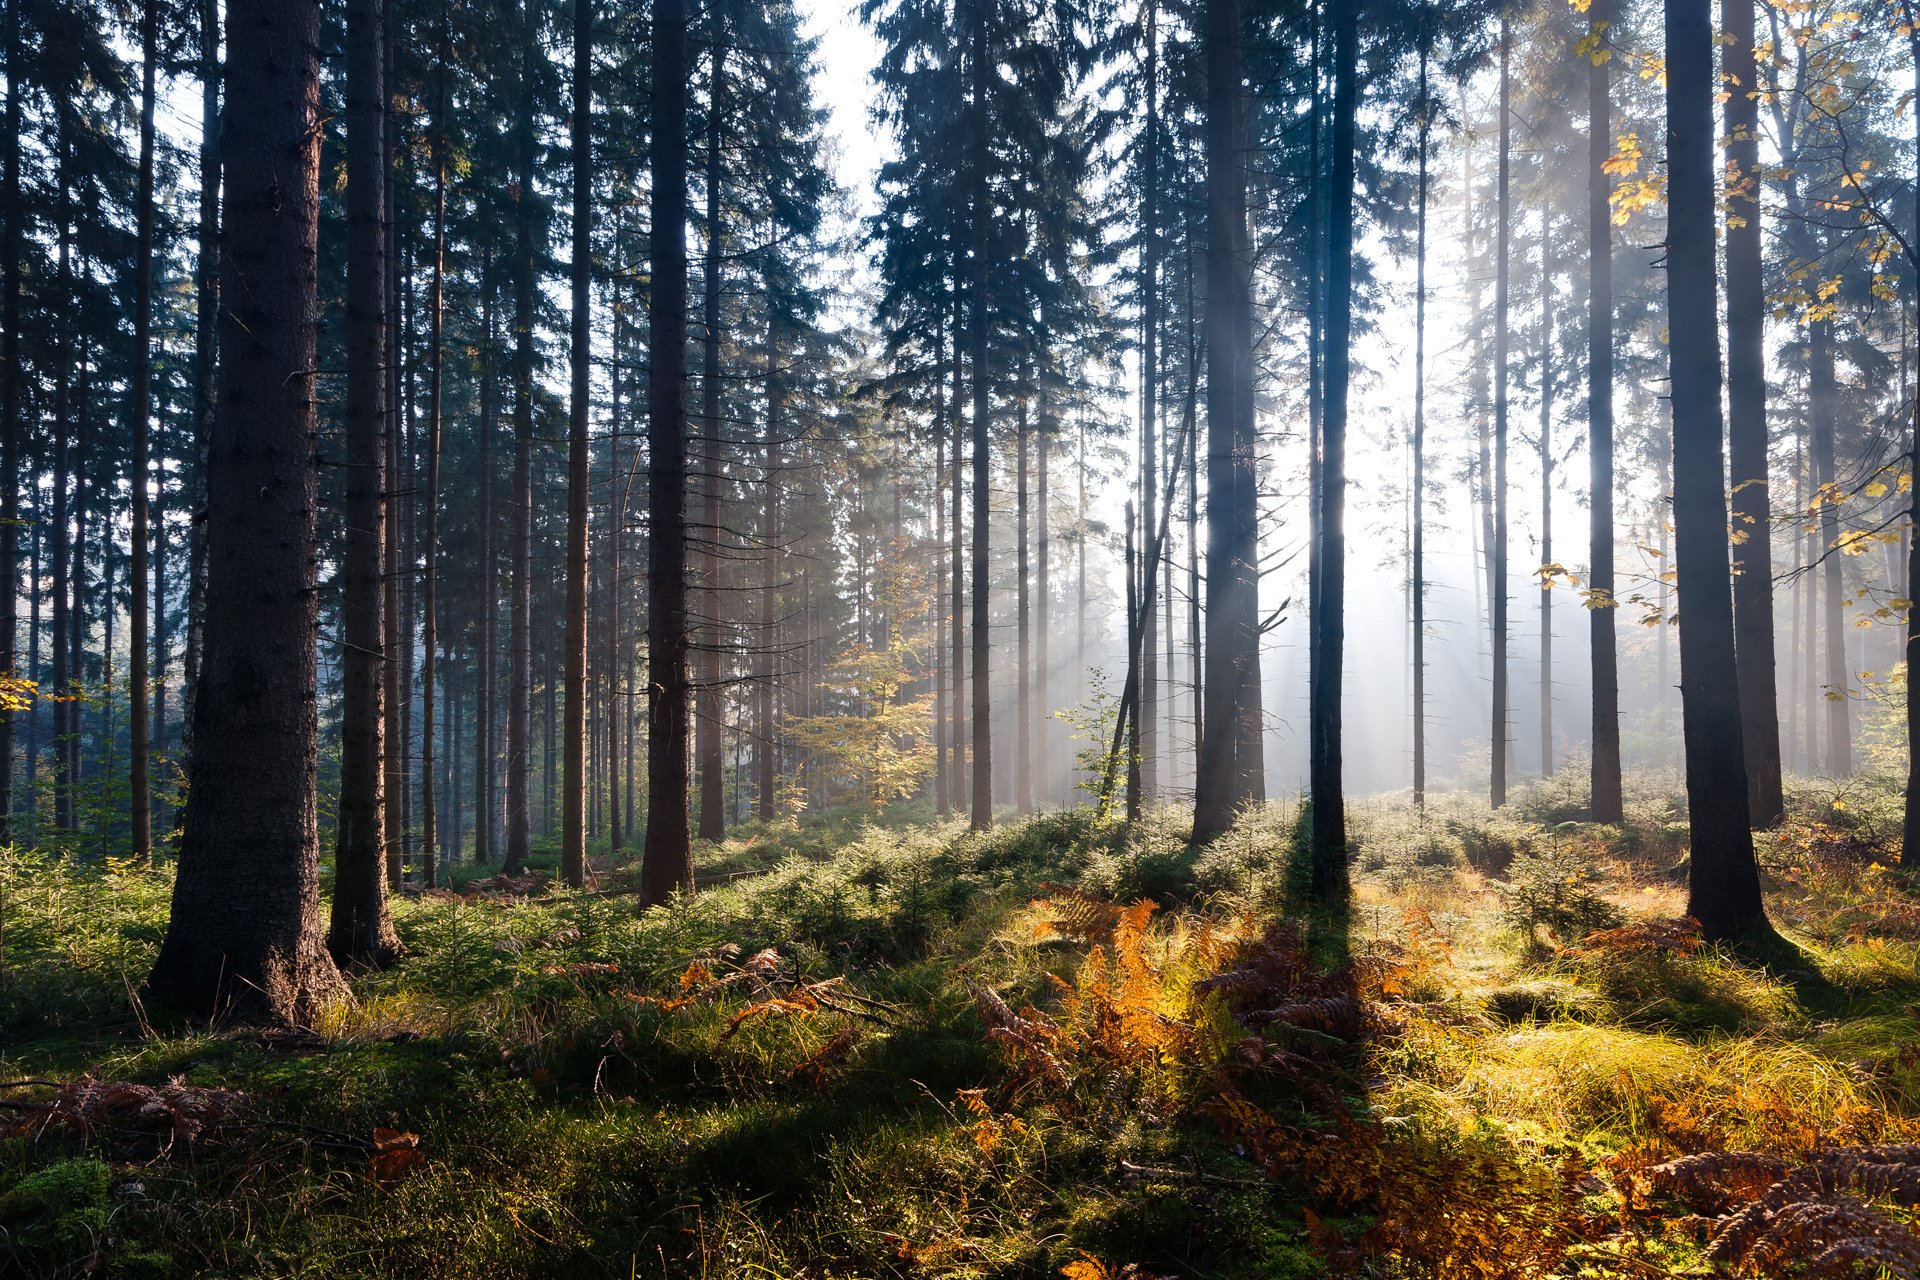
(1057, 1048)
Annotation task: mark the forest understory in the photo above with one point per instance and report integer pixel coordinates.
(1063, 1047)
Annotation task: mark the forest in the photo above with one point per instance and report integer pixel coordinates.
(925, 639)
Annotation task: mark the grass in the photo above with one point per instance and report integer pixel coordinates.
(598, 1091)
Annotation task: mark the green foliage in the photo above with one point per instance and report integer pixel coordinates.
(55, 1216)
(1558, 886)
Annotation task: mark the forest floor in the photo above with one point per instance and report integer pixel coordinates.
(1057, 1048)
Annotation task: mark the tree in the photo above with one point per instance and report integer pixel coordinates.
(1747, 420)
(1605, 799)
(667, 863)
(1230, 766)
(981, 216)
(573, 833)
(1723, 882)
(1328, 864)
(244, 938)
(139, 407)
(1497, 543)
(362, 928)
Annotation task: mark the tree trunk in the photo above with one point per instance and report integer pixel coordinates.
(1747, 422)
(430, 574)
(1233, 658)
(709, 707)
(205, 328)
(1150, 748)
(139, 415)
(1023, 692)
(485, 806)
(981, 216)
(667, 865)
(1497, 544)
(1328, 860)
(1546, 490)
(1723, 889)
(1418, 550)
(765, 757)
(12, 423)
(362, 931)
(520, 607)
(1604, 798)
(573, 823)
(1821, 393)
(245, 937)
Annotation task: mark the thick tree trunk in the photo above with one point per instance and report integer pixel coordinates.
(1747, 421)
(1604, 799)
(245, 937)
(1233, 656)
(573, 822)
(942, 696)
(362, 931)
(709, 707)
(1723, 890)
(667, 865)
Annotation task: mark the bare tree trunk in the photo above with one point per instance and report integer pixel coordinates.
(1328, 858)
(708, 706)
(1546, 489)
(1747, 421)
(1605, 799)
(942, 696)
(1233, 657)
(1023, 695)
(1150, 748)
(486, 641)
(430, 576)
(1723, 889)
(982, 400)
(245, 937)
(765, 754)
(667, 865)
(573, 825)
(12, 422)
(1821, 393)
(1497, 545)
(361, 931)
(520, 607)
(1419, 555)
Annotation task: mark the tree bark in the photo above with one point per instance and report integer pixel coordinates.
(573, 823)
(1497, 543)
(1328, 860)
(1747, 421)
(1821, 393)
(667, 864)
(981, 216)
(1723, 885)
(520, 606)
(361, 931)
(1604, 799)
(1418, 551)
(245, 937)
(709, 708)
(1233, 657)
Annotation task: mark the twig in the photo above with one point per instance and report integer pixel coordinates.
(1131, 1170)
